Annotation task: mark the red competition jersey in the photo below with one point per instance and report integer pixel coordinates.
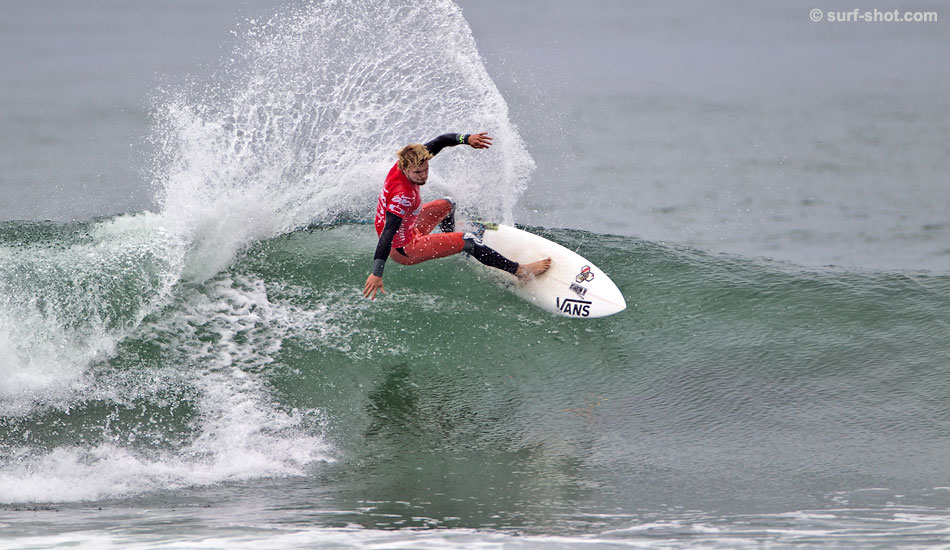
(401, 197)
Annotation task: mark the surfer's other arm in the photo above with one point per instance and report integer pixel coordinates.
(374, 282)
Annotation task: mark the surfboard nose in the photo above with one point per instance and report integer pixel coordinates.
(572, 287)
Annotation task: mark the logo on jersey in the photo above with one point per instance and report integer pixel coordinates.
(585, 276)
(575, 308)
(403, 200)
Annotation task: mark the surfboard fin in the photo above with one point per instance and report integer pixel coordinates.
(480, 226)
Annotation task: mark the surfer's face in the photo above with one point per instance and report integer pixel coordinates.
(418, 174)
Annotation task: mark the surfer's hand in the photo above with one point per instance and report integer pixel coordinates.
(480, 141)
(373, 283)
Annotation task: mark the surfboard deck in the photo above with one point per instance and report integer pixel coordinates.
(572, 287)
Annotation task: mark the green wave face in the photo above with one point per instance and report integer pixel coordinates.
(727, 378)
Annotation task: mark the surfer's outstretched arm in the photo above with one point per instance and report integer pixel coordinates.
(374, 282)
(478, 141)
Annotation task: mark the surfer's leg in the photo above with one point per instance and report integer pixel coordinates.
(428, 247)
(439, 212)
(447, 225)
(488, 256)
(491, 258)
(440, 245)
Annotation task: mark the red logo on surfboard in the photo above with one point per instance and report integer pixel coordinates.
(585, 276)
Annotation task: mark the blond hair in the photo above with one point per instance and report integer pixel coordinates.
(412, 156)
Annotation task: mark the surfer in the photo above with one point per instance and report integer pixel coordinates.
(404, 224)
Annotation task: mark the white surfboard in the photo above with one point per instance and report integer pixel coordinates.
(572, 287)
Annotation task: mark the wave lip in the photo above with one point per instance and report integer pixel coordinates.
(308, 115)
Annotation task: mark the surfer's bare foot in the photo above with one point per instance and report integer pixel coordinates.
(526, 272)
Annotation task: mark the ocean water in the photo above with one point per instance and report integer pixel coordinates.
(186, 360)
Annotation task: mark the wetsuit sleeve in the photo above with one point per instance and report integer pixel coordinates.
(393, 222)
(446, 140)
